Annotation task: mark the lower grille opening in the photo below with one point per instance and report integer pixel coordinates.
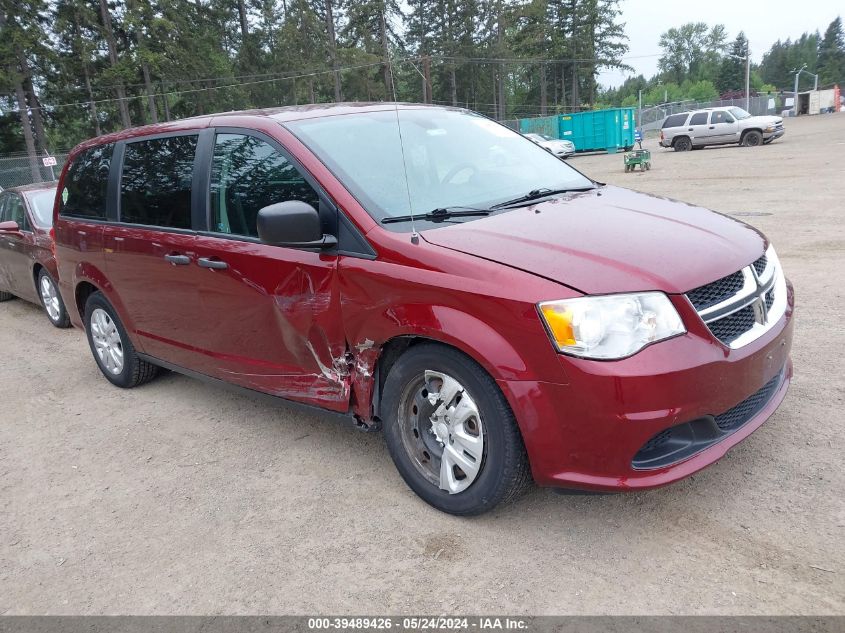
(682, 441)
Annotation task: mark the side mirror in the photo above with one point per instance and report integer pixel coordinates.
(9, 227)
(294, 224)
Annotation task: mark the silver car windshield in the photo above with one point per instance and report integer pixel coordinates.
(452, 158)
(739, 113)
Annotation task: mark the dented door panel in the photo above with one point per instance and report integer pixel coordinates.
(272, 321)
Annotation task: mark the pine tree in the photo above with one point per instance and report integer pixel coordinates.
(732, 69)
(831, 63)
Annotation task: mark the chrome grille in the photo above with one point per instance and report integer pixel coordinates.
(711, 294)
(741, 307)
(731, 327)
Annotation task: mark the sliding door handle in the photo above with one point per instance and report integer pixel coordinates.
(178, 260)
(214, 264)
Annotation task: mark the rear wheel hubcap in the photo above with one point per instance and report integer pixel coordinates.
(107, 343)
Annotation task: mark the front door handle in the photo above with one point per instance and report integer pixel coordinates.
(214, 264)
(178, 260)
(712, 127)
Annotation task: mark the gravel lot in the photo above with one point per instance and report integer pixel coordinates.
(178, 498)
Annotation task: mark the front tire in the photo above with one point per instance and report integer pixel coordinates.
(111, 347)
(752, 139)
(451, 433)
(51, 300)
(6, 296)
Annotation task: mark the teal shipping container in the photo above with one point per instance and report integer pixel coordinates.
(596, 130)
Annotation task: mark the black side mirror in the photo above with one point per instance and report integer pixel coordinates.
(294, 224)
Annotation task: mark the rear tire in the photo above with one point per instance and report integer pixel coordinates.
(6, 296)
(462, 454)
(752, 139)
(111, 347)
(682, 144)
(51, 300)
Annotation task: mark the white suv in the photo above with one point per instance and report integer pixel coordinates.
(718, 126)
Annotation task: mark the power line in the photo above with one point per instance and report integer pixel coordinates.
(288, 77)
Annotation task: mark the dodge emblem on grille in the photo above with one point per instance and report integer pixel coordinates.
(761, 311)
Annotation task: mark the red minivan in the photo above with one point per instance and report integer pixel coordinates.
(430, 272)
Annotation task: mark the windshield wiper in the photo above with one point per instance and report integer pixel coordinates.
(440, 214)
(536, 194)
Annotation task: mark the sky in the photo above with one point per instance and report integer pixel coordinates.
(764, 22)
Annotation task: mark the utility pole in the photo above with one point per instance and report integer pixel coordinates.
(747, 76)
(640, 109)
(795, 94)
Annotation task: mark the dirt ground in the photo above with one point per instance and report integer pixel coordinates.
(178, 498)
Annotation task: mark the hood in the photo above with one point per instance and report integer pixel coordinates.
(610, 240)
(766, 119)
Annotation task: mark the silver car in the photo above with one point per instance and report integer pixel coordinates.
(719, 126)
(558, 147)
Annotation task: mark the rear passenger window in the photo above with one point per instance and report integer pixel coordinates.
(676, 120)
(86, 183)
(699, 118)
(248, 174)
(155, 185)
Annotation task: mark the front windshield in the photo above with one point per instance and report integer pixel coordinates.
(41, 203)
(452, 159)
(739, 113)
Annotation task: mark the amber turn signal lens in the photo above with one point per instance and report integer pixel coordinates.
(560, 323)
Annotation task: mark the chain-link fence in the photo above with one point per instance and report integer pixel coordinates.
(21, 169)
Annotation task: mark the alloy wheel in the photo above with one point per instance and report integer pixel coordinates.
(50, 298)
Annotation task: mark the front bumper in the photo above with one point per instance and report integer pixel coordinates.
(587, 434)
(771, 136)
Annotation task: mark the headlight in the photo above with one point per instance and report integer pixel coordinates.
(610, 326)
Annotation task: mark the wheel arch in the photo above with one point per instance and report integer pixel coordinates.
(456, 329)
(745, 132)
(81, 292)
(37, 267)
(678, 137)
(88, 279)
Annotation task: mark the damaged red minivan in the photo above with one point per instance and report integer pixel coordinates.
(429, 272)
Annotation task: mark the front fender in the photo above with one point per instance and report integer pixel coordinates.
(482, 341)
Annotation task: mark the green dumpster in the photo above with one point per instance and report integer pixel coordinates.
(596, 130)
